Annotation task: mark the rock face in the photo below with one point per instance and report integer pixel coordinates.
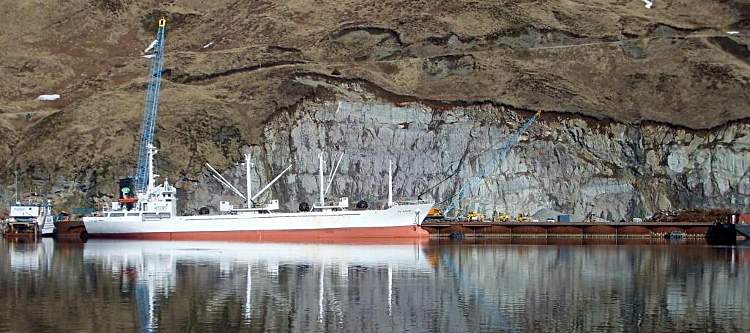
(645, 109)
(574, 165)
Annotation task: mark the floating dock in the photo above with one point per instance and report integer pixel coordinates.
(444, 228)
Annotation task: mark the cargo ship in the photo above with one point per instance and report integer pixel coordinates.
(153, 215)
(146, 210)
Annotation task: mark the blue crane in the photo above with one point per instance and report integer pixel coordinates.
(152, 106)
(503, 150)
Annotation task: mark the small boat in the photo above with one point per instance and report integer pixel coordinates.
(68, 228)
(29, 220)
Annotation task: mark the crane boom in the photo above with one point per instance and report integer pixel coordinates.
(151, 108)
(502, 151)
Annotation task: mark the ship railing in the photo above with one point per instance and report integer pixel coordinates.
(258, 210)
(412, 201)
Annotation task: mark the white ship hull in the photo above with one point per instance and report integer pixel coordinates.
(394, 222)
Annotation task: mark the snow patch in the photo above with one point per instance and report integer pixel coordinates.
(50, 97)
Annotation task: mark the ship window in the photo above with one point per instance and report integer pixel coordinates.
(150, 215)
(165, 215)
(134, 214)
(117, 214)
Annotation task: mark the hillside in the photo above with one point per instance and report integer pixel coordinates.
(233, 67)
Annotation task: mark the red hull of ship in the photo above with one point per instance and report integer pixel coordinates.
(379, 235)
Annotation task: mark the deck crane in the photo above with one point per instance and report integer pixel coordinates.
(131, 188)
(503, 150)
(149, 114)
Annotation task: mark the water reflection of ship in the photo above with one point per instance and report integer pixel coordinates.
(31, 256)
(151, 269)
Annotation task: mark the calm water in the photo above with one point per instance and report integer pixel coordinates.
(105, 286)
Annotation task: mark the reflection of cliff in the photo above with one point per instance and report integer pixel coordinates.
(575, 288)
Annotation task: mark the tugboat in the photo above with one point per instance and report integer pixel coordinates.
(69, 227)
(29, 221)
(726, 232)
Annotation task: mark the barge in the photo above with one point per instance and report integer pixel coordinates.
(444, 228)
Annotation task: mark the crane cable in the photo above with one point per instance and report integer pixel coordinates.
(504, 149)
(537, 115)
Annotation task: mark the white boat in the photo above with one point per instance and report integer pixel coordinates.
(30, 219)
(153, 215)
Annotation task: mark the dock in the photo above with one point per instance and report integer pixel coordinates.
(446, 228)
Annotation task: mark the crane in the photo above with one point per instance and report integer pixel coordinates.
(152, 105)
(503, 150)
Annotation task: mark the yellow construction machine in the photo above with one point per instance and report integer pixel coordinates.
(474, 216)
(435, 213)
(501, 217)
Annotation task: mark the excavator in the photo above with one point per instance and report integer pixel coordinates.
(523, 218)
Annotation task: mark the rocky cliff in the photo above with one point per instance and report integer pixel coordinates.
(606, 169)
(645, 109)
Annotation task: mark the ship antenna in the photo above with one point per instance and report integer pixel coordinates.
(390, 183)
(322, 181)
(248, 166)
(16, 187)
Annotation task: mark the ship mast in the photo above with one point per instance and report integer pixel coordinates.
(16, 186)
(248, 167)
(320, 173)
(390, 184)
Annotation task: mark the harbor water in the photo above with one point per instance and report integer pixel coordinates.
(449, 286)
